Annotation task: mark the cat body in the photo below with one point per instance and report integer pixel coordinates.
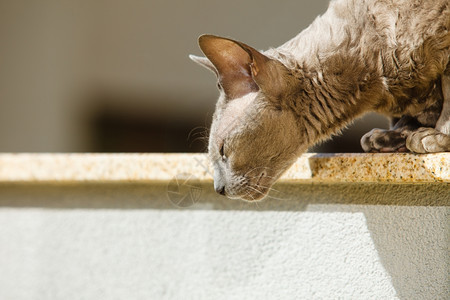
(390, 57)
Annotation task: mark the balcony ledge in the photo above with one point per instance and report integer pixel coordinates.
(142, 168)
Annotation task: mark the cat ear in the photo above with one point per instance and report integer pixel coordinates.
(242, 69)
(204, 62)
(232, 63)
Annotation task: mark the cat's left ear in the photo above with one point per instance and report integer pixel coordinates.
(243, 69)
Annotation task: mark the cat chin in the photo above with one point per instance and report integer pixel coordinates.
(248, 200)
(250, 197)
(253, 200)
(255, 196)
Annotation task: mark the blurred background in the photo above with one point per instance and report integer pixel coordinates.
(114, 76)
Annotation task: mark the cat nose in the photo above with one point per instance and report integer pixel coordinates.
(220, 189)
(219, 182)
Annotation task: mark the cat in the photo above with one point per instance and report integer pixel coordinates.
(390, 57)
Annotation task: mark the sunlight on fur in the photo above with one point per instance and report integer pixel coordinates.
(359, 57)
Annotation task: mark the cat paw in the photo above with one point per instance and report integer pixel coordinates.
(380, 140)
(428, 140)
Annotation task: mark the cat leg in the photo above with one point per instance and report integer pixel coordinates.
(430, 140)
(392, 140)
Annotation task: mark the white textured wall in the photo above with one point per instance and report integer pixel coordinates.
(77, 246)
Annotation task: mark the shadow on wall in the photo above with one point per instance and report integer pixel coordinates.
(410, 235)
(409, 241)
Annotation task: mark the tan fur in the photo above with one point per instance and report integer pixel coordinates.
(360, 56)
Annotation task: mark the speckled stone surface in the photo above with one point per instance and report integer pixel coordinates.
(61, 168)
(363, 167)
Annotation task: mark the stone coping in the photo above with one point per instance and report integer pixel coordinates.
(141, 168)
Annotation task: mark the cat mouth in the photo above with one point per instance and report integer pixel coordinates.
(251, 188)
(258, 190)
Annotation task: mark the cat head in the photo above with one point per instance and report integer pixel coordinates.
(254, 135)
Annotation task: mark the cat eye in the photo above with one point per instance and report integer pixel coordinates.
(221, 152)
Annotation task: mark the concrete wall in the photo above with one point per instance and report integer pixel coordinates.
(127, 242)
(125, 239)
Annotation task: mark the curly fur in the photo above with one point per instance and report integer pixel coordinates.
(375, 55)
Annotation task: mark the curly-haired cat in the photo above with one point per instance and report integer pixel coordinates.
(391, 57)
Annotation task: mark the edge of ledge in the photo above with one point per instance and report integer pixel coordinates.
(132, 168)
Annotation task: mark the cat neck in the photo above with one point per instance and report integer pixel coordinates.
(328, 101)
(338, 81)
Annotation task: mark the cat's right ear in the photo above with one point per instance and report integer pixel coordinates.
(204, 62)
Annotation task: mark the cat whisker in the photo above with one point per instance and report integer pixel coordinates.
(202, 136)
(199, 138)
(192, 133)
(204, 131)
(252, 202)
(276, 198)
(256, 204)
(271, 190)
(264, 186)
(265, 176)
(255, 189)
